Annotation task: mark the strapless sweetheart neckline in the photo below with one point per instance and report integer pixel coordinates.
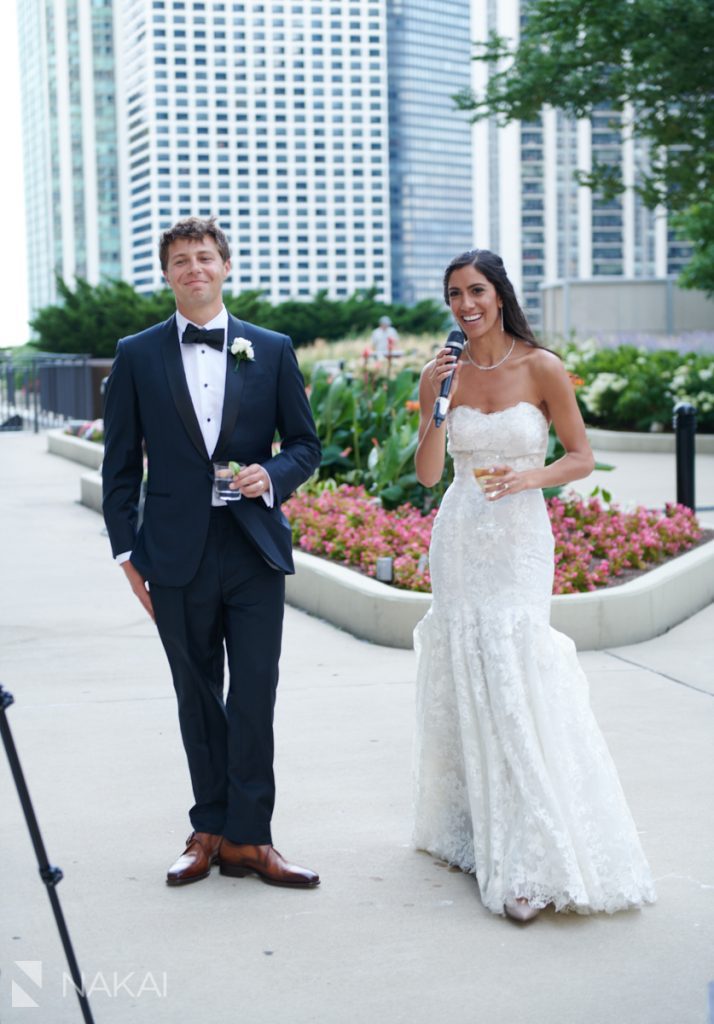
(499, 412)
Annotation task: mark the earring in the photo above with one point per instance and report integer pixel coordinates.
(501, 319)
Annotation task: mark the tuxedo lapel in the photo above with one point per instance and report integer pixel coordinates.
(173, 364)
(235, 382)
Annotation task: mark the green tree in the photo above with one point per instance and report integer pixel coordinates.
(651, 60)
(90, 318)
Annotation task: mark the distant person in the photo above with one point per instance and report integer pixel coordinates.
(201, 387)
(385, 339)
(514, 781)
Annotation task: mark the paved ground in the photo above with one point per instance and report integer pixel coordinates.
(391, 935)
(650, 479)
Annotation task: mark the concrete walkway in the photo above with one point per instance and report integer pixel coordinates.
(391, 935)
(650, 478)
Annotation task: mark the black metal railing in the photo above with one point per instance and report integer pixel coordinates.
(44, 389)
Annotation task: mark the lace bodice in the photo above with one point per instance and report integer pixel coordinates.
(518, 435)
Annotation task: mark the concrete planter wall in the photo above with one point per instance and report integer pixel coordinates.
(90, 491)
(628, 441)
(361, 606)
(88, 453)
(613, 617)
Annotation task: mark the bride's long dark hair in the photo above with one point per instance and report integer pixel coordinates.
(491, 266)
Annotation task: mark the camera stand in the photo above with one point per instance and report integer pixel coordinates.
(51, 876)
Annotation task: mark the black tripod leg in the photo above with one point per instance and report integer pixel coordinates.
(49, 875)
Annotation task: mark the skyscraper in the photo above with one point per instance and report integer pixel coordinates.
(69, 141)
(324, 137)
(529, 206)
(430, 152)
(272, 116)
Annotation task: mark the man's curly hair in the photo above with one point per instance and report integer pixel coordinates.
(197, 228)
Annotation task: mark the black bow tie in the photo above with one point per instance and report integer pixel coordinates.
(214, 338)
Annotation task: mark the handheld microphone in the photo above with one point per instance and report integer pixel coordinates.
(455, 344)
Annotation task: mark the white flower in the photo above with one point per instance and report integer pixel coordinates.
(587, 349)
(241, 348)
(680, 378)
(602, 387)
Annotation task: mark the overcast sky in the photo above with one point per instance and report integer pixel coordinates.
(13, 270)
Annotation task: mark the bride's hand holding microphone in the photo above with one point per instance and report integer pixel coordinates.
(442, 366)
(439, 381)
(445, 375)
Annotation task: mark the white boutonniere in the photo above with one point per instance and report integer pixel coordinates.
(241, 348)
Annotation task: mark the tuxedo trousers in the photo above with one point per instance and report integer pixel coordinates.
(231, 610)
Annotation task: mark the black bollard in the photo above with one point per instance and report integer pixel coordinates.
(684, 421)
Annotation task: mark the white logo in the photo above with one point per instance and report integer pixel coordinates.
(113, 985)
(32, 969)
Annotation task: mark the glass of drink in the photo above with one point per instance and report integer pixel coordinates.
(484, 476)
(223, 475)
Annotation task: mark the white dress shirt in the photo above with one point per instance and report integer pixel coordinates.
(205, 370)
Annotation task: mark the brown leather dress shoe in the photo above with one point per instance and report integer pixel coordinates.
(196, 860)
(238, 860)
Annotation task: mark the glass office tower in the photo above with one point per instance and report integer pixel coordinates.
(273, 117)
(69, 142)
(430, 158)
(529, 206)
(324, 137)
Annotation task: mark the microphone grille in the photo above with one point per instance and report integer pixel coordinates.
(455, 340)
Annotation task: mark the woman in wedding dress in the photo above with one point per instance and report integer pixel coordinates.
(514, 781)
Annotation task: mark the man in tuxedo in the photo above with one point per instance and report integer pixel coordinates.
(199, 388)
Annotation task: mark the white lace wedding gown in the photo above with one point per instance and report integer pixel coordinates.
(514, 781)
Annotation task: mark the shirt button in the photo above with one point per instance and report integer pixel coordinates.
(208, 420)
(205, 385)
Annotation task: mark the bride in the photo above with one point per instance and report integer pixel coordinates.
(514, 781)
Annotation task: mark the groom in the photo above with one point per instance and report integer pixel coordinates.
(211, 574)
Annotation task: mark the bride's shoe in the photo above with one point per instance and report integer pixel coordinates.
(520, 910)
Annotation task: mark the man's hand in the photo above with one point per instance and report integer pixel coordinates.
(138, 585)
(252, 481)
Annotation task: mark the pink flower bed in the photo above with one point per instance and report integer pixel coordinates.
(89, 430)
(593, 544)
(349, 527)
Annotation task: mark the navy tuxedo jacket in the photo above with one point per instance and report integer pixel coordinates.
(147, 400)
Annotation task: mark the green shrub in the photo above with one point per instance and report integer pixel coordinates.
(368, 427)
(90, 319)
(628, 388)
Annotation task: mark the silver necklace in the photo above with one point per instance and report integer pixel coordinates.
(494, 365)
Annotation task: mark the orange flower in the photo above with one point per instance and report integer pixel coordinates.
(576, 381)
(411, 406)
